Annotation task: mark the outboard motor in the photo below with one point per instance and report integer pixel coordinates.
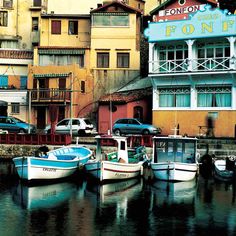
(230, 163)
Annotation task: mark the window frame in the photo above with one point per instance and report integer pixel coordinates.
(3, 18)
(75, 27)
(213, 91)
(35, 24)
(15, 108)
(56, 29)
(173, 93)
(103, 59)
(122, 58)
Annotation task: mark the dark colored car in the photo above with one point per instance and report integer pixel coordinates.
(15, 125)
(133, 126)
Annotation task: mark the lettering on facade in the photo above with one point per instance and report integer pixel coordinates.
(189, 29)
(181, 10)
(208, 23)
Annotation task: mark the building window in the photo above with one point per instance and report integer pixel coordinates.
(103, 60)
(35, 23)
(174, 97)
(56, 27)
(110, 19)
(172, 58)
(15, 108)
(213, 55)
(123, 60)
(23, 82)
(214, 96)
(3, 18)
(37, 3)
(7, 3)
(82, 86)
(73, 27)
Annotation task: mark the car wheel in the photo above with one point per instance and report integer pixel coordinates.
(117, 132)
(49, 131)
(145, 132)
(22, 131)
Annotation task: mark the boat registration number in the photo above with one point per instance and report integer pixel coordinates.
(49, 169)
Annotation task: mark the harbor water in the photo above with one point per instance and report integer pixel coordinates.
(134, 207)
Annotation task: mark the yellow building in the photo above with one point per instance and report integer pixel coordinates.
(19, 26)
(115, 47)
(71, 57)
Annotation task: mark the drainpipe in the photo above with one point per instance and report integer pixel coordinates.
(29, 112)
(17, 18)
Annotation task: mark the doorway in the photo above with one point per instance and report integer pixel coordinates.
(41, 117)
(3, 108)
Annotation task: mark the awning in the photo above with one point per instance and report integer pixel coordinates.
(60, 51)
(58, 75)
(3, 103)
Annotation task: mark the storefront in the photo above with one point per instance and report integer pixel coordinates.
(192, 66)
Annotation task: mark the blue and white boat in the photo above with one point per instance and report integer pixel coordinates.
(43, 196)
(56, 164)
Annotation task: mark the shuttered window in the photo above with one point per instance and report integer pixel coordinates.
(56, 27)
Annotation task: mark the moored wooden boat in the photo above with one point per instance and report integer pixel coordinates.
(224, 169)
(119, 165)
(56, 164)
(174, 158)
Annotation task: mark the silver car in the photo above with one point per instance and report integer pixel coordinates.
(78, 126)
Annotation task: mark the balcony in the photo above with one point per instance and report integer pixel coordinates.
(50, 95)
(192, 65)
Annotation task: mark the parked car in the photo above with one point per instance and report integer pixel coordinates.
(79, 126)
(133, 126)
(15, 125)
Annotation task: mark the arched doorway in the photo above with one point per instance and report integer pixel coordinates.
(138, 113)
(3, 108)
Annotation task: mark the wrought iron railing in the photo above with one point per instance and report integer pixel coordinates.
(50, 95)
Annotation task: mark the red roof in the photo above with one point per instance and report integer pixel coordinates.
(116, 3)
(121, 97)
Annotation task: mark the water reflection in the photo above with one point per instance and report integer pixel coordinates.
(45, 196)
(133, 207)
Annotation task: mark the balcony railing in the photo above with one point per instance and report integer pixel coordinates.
(50, 95)
(193, 65)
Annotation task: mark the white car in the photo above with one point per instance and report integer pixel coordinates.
(78, 126)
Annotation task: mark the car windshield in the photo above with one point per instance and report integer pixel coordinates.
(17, 120)
(87, 121)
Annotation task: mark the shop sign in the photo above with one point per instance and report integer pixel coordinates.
(202, 24)
(181, 10)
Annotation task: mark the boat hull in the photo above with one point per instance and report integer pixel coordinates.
(220, 171)
(173, 171)
(107, 170)
(34, 168)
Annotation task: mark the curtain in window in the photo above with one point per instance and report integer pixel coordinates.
(166, 100)
(183, 100)
(205, 100)
(223, 100)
